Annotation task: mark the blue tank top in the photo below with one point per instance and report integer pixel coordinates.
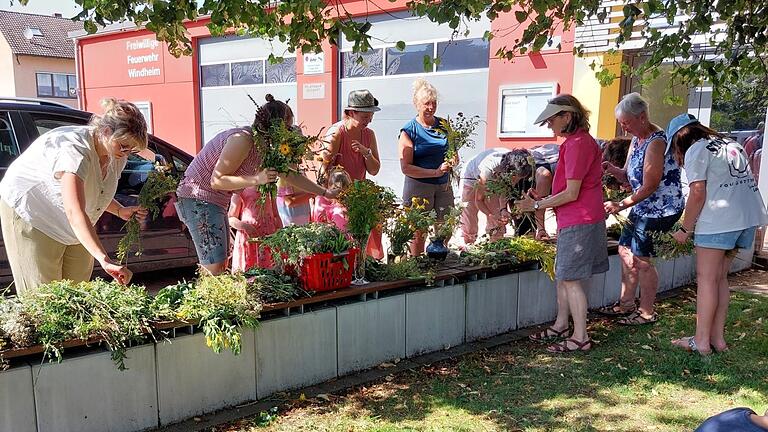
(429, 148)
(668, 199)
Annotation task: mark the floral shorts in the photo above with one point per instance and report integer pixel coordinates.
(208, 225)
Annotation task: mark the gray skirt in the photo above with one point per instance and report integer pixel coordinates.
(581, 252)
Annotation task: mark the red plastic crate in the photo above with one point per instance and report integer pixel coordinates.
(327, 272)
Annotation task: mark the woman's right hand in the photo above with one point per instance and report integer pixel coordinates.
(119, 272)
(444, 167)
(266, 176)
(610, 168)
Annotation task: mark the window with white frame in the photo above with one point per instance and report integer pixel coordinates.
(146, 111)
(519, 105)
(56, 85)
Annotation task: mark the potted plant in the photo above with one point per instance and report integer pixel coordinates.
(442, 232)
(404, 223)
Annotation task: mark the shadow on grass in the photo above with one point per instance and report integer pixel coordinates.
(520, 386)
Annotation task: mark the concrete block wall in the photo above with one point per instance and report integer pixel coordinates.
(174, 380)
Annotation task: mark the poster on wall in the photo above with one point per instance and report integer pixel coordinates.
(314, 64)
(511, 120)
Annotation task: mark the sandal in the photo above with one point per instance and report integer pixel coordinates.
(689, 344)
(562, 347)
(548, 334)
(637, 318)
(617, 309)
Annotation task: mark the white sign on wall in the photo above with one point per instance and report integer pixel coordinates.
(314, 64)
(313, 91)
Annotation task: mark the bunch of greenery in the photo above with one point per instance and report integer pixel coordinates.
(368, 205)
(292, 244)
(405, 222)
(666, 247)
(221, 304)
(282, 148)
(16, 326)
(614, 231)
(272, 286)
(459, 132)
(612, 189)
(511, 251)
(63, 310)
(165, 304)
(158, 185)
(444, 229)
(409, 268)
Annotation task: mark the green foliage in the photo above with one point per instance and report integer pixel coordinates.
(158, 185)
(444, 229)
(667, 248)
(292, 244)
(63, 310)
(368, 205)
(512, 251)
(272, 286)
(221, 304)
(16, 326)
(419, 267)
(166, 302)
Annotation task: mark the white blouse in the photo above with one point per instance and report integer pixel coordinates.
(32, 185)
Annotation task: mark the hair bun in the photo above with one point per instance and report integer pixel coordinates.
(269, 98)
(108, 104)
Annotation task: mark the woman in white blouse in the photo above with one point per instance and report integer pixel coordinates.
(54, 193)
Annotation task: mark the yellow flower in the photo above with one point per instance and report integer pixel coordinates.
(285, 149)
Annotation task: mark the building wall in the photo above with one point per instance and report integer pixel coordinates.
(6, 69)
(600, 100)
(25, 67)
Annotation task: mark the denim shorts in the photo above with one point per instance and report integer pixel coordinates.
(209, 227)
(637, 234)
(741, 239)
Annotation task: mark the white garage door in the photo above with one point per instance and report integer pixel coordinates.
(233, 68)
(461, 79)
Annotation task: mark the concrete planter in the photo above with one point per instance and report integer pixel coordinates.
(88, 393)
(370, 333)
(17, 401)
(434, 319)
(491, 306)
(536, 299)
(666, 271)
(685, 270)
(743, 260)
(295, 351)
(193, 380)
(612, 284)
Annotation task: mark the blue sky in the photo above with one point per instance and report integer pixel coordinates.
(67, 8)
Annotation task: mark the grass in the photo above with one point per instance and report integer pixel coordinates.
(633, 380)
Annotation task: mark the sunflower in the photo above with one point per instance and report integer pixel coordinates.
(285, 149)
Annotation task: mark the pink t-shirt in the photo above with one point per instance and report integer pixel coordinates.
(580, 159)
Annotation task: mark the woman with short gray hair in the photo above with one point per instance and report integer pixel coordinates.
(657, 203)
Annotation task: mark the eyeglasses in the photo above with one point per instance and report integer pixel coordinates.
(549, 120)
(124, 149)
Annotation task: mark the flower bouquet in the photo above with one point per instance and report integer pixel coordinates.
(459, 133)
(368, 205)
(282, 148)
(405, 222)
(158, 185)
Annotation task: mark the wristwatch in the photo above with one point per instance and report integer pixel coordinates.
(536, 205)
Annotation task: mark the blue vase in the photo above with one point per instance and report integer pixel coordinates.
(437, 250)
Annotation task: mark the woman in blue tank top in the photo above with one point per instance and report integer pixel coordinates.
(422, 158)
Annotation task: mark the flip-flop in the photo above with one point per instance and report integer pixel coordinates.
(562, 346)
(548, 334)
(689, 344)
(636, 318)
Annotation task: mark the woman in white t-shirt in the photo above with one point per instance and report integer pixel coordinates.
(723, 210)
(58, 188)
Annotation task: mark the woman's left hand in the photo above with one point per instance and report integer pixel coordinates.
(525, 204)
(680, 236)
(126, 212)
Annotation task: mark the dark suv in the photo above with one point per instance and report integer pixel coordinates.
(165, 239)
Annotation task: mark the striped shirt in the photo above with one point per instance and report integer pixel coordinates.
(196, 183)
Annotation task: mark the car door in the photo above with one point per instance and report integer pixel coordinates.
(9, 149)
(164, 238)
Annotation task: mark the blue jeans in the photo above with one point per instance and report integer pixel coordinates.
(637, 234)
(741, 239)
(209, 227)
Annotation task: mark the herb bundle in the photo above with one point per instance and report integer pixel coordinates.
(667, 248)
(272, 286)
(63, 310)
(158, 185)
(459, 133)
(405, 222)
(443, 230)
(512, 251)
(368, 205)
(282, 148)
(612, 189)
(221, 304)
(292, 244)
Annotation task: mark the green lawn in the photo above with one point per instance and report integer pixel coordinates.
(633, 380)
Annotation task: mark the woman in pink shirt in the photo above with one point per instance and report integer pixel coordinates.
(577, 198)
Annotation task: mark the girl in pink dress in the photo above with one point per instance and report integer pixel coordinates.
(330, 210)
(251, 219)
